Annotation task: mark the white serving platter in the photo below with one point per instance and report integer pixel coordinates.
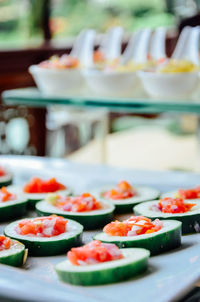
(170, 276)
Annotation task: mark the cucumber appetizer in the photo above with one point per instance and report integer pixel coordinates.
(99, 263)
(157, 236)
(5, 177)
(186, 194)
(12, 252)
(46, 236)
(11, 205)
(124, 195)
(188, 212)
(85, 209)
(37, 189)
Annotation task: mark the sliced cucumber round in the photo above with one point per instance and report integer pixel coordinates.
(16, 255)
(90, 220)
(6, 180)
(13, 209)
(48, 246)
(173, 194)
(133, 263)
(169, 237)
(33, 198)
(126, 205)
(190, 220)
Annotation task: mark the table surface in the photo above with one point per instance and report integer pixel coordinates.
(170, 275)
(142, 104)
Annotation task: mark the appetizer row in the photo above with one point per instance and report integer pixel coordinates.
(120, 252)
(94, 211)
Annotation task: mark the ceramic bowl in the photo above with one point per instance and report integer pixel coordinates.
(169, 85)
(112, 83)
(57, 81)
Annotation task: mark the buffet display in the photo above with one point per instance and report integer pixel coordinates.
(119, 250)
(106, 72)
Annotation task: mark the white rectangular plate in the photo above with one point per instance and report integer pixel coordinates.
(169, 277)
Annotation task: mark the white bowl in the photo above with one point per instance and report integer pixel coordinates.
(57, 81)
(112, 84)
(169, 85)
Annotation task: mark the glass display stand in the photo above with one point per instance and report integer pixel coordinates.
(31, 97)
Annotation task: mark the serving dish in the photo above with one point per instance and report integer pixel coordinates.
(58, 82)
(169, 277)
(113, 83)
(171, 85)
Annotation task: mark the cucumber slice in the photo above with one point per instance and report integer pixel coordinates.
(33, 198)
(173, 195)
(133, 263)
(45, 246)
(169, 237)
(13, 209)
(190, 220)
(15, 256)
(126, 205)
(6, 180)
(90, 220)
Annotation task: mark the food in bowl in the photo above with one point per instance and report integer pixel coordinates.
(63, 62)
(58, 76)
(176, 66)
(170, 79)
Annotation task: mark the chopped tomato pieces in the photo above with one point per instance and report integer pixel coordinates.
(190, 193)
(42, 226)
(63, 62)
(135, 225)
(98, 56)
(83, 203)
(94, 252)
(123, 190)
(2, 172)
(37, 185)
(5, 195)
(174, 205)
(5, 243)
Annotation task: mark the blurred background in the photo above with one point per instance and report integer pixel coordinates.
(32, 31)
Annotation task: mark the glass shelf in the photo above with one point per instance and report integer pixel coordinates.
(33, 98)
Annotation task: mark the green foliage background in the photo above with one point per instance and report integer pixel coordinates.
(20, 20)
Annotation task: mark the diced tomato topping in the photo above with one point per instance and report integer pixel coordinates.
(5, 195)
(123, 190)
(82, 203)
(94, 252)
(161, 60)
(5, 243)
(2, 171)
(135, 225)
(98, 57)
(190, 193)
(174, 205)
(42, 226)
(63, 62)
(37, 185)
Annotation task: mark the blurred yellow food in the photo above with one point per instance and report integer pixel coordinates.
(175, 66)
(130, 66)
